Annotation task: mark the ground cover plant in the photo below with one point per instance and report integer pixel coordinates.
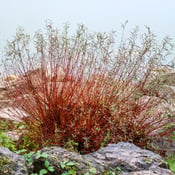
(82, 91)
(171, 162)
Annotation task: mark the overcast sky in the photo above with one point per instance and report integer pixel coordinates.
(97, 15)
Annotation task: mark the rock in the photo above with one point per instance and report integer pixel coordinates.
(157, 105)
(129, 158)
(7, 91)
(14, 135)
(159, 85)
(12, 113)
(56, 155)
(153, 171)
(56, 74)
(11, 163)
(168, 79)
(4, 101)
(163, 145)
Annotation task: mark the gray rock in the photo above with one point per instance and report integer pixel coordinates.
(153, 171)
(57, 155)
(129, 158)
(11, 163)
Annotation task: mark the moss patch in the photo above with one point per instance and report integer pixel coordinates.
(5, 165)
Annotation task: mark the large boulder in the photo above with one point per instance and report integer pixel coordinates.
(11, 163)
(127, 157)
(57, 155)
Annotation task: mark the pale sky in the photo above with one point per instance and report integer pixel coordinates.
(97, 15)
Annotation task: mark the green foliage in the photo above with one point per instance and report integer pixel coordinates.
(29, 157)
(106, 139)
(7, 142)
(9, 125)
(171, 162)
(28, 142)
(69, 167)
(113, 171)
(71, 145)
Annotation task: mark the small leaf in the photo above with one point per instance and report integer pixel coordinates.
(30, 163)
(46, 163)
(51, 169)
(29, 154)
(71, 164)
(43, 171)
(37, 156)
(21, 151)
(38, 152)
(93, 170)
(63, 164)
(86, 174)
(72, 172)
(44, 155)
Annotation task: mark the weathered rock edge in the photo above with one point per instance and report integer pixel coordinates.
(131, 159)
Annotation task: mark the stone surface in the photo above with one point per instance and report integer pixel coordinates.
(56, 155)
(129, 158)
(11, 163)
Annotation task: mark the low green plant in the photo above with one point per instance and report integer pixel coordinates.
(28, 157)
(7, 142)
(71, 145)
(69, 167)
(9, 125)
(106, 139)
(171, 162)
(28, 142)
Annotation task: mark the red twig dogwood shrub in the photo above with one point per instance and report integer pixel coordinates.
(83, 91)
